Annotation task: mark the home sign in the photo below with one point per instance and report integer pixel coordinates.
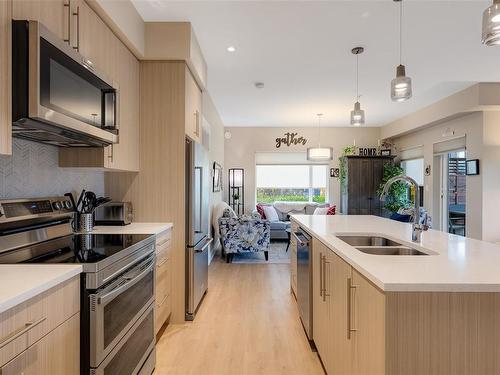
(367, 151)
(290, 139)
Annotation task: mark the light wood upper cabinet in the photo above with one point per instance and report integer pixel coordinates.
(54, 14)
(5, 78)
(97, 43)
(193, 107)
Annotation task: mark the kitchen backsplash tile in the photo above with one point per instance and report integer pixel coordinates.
(33, 171)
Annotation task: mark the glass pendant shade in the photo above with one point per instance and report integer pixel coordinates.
(319, 153)
(357, 115)
(401, 85)
(491, 25)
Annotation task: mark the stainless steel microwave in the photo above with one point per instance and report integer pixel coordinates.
(58, 97)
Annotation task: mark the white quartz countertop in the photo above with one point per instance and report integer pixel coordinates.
(134, 228)
(457, 264)
(20, 282)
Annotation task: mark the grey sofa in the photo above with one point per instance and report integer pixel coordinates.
(284, 210)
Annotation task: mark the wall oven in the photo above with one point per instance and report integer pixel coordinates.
(58, 96)
(115, 308)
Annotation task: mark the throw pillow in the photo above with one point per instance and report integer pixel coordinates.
(260, 210)
(270, 213)
(321, 211)
(331, 210)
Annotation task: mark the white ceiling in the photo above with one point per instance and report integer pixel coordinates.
(301, 51)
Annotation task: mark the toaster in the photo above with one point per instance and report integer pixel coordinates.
(114, 213)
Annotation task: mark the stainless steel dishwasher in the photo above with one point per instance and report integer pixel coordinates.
(304, 280)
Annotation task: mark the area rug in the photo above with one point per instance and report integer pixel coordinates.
(277, 254)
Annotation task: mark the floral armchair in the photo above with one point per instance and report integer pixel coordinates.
(244, 234)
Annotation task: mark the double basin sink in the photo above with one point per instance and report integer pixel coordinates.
(378, 245)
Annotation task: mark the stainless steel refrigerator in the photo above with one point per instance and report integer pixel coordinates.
(197, 238)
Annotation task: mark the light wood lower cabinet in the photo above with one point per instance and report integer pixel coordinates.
(359, 329)
(43, 330)
(163, 279)
(349, 315)
(57, 353)
(321, 302)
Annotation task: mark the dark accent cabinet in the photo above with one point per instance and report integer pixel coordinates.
(359, 192)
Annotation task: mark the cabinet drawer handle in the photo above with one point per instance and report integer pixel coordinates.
(325, 294)
(19, 332)
(162, 262)
(320, 274)
(68, 5)
(77, 15)
(351, 305)
(111, 153)
(197, 123)
(158, 304)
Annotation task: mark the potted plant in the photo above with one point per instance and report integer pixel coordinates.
(397, 195)
(349, 150)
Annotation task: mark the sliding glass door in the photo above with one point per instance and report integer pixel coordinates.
(456, 192)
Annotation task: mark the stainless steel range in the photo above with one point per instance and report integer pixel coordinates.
(117, 283)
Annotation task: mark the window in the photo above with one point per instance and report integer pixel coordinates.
(414, 168)
(291, 183)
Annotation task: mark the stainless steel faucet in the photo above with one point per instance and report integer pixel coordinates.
(416, 226)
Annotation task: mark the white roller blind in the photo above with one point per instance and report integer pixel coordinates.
(412, 153)
(450, 145)
(283, 176)
(281, 158)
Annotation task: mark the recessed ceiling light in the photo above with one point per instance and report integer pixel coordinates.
(259, 85)
(231, 49)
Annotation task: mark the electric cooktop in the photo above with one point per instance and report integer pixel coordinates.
(76, 248)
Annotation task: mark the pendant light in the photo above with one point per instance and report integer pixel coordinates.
(319, 153)
(491, 25)
(357, 114)
(401, 85)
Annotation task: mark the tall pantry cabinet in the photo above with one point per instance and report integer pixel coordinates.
(169, 107)
(359, 190)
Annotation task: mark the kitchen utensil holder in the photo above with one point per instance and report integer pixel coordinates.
(85, 223)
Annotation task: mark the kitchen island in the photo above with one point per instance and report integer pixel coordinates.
(437, 313)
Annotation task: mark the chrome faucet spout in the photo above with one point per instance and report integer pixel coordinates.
(417, 228)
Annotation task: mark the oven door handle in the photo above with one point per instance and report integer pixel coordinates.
(130, 282)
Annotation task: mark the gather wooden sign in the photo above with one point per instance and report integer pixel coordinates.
(290, 139)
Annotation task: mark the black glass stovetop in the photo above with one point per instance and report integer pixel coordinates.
(77, 248)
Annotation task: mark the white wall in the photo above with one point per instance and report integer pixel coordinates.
(490, 171)
(245, 142)
(482, 141)
(216, 154)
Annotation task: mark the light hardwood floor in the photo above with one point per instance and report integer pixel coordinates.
(247, 324)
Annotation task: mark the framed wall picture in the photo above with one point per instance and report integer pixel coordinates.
(385, 152)
(217, 177)
(334, 172)
(472, 167)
